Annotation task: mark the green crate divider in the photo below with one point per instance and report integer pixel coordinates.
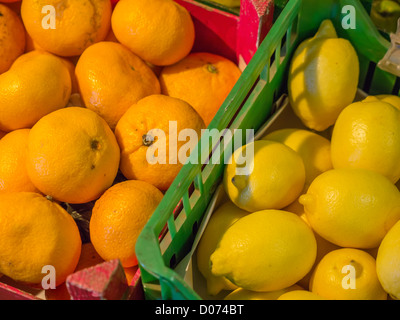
(248, 106)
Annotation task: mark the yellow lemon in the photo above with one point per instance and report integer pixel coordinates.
(264, 175)
(367, 135)
(220, 221)
(314, 149)
(391, 99)
(352, 207)
(243, 294)
(388, 262)
(300, 295)
(347, 274)
(265, 251)
(323, 78)
(323, 245)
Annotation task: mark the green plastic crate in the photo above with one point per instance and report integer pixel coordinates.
(248, 106)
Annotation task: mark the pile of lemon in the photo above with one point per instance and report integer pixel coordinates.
(317, 218)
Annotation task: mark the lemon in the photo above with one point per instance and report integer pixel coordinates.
(323, 247)
(314, 149)
(391, 99)
(388, 262)
(367, 135)
(274, 179)
(265, 251)
(352, 207)
(323, 78)
(347, 274)
(243, 294)
(219, 222)
(300, 295)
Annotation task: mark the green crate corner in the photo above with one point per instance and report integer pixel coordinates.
(248, 106)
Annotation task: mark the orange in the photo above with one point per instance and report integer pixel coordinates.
(13, 154)
(35, 85)
(159, 31)
(143, 134)
(36, 232)
(88, 258)
(204, 80)
(78, 24)
(75, 99)
(119, 216)
(12, 37)
(111, 79)
(71, 69)
(73, 155)
(35, 50)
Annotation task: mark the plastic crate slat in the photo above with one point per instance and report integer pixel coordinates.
(186, 203)
(278, 55)
(265, 73)
(288, 41)
(198, 183)
(171, 226)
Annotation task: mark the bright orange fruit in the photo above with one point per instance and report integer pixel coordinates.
(111, 79)
(12, 37)
(35, 85)
(203, 80)
(13, 153)
(36, 232)
(73, 155)
(119, 216)
(78, 24)
(145, 134)
(159, 31)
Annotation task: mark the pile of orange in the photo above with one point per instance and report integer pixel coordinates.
(83, 84)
